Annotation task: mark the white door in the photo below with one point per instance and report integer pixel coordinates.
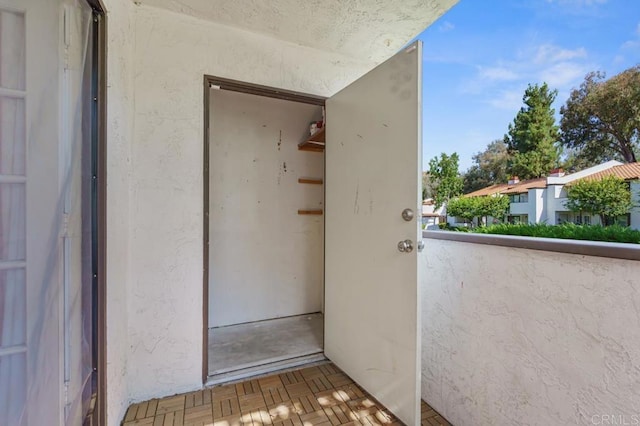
(373, 167)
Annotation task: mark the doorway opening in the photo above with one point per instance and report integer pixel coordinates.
(264, 231)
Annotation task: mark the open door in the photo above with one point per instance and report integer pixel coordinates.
(373, 168)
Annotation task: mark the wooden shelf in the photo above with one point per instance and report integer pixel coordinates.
(310, 212)
(312, 181)
(315, 143)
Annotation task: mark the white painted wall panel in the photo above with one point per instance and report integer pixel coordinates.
(516, 336)
(266, 261)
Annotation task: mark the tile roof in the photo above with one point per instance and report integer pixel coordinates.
(505, 188)
(489, 190)
(526, 185)
(629, 171)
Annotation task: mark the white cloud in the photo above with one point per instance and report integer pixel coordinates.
(563, 74)
(632, 44)
(510, 99)
(497, 73)
(501, 84)
(446, 26)
(549, 53)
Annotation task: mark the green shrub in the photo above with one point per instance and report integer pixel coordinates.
(614, 233)
(447, 227)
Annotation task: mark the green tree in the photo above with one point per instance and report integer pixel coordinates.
(601, 118)
(463, 207)
(494, 206)
(532, 138)
(608, 198)
(574, 161)
(490, 167)
(470, 208)
(446, 182)
(426, 186)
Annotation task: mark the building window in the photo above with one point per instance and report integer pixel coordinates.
(586, 220)
(516, 219)
(562, 218)
(624, 220)
(519, 198)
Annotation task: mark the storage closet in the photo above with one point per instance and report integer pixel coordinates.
(266, 234)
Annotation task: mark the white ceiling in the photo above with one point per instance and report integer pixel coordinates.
(371, 30)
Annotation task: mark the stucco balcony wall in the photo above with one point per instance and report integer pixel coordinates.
(519, 208)
(515, 336)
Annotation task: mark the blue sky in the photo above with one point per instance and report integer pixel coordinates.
(480, 56)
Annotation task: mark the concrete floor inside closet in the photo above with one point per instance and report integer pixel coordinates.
(256, 345)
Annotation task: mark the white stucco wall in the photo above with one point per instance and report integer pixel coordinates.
(519, 208)
(635, 198)
(265, 260)
(537, 205)
(172, 53)
(553, 202)
(120, 33)
(516, 336)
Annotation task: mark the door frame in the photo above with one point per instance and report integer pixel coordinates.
(98, 414)
(242, 87)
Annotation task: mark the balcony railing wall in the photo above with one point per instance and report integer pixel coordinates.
(521, 336)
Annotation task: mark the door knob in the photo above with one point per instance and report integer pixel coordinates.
(420, 246)
(405, 246)
(407, 214)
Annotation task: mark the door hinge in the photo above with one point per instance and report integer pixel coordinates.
(65, 224)
(66, 392)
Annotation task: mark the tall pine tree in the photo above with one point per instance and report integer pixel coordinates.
(533, 137)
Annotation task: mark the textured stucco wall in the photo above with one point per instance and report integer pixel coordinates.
(172, 54)
(516, 336)
(635, 211)
(265, 260)
(537, 204)
(553, 202)
(520, 208)
(371, 30)
(120, 34)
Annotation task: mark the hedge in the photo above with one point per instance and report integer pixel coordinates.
(613, 233)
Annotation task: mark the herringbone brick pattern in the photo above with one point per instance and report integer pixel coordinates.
(320, 395)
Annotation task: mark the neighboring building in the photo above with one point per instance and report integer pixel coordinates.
(543, 200)
(432, 217)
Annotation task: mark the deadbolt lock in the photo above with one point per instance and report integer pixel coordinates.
(407, 214)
